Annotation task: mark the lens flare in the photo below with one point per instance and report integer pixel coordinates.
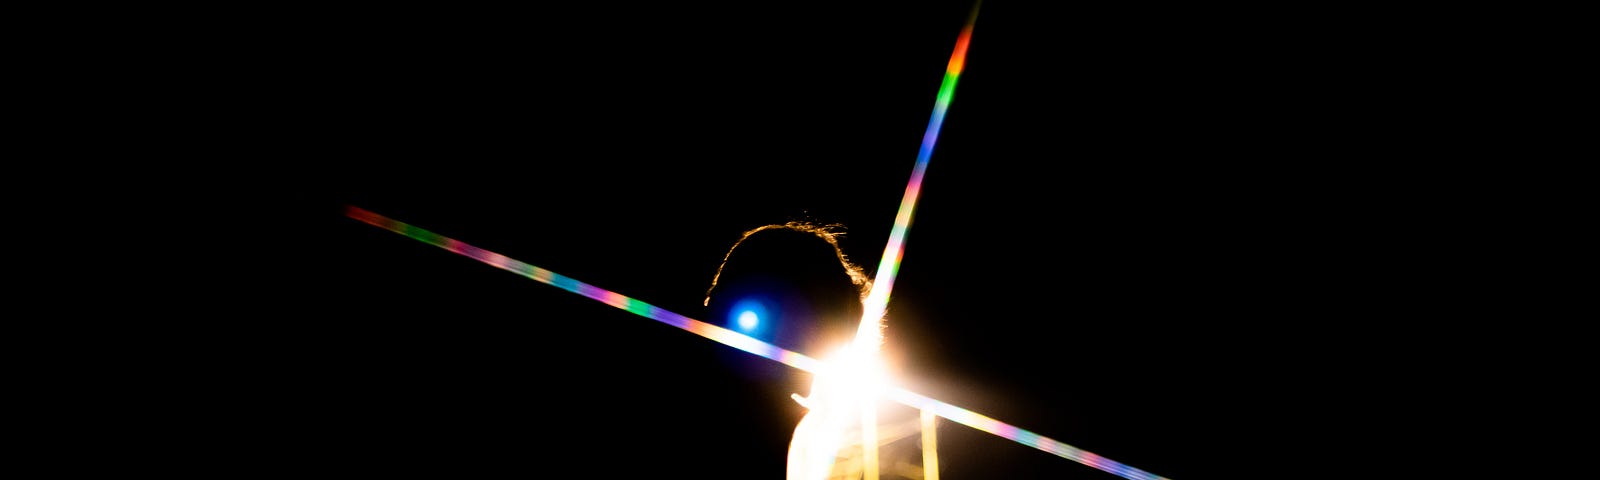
(749, 316)
(869, 336)
(889, 265)
(748, 320)
(744, 342)
(852, 381)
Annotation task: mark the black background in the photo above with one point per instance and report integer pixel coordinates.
(1155, 234)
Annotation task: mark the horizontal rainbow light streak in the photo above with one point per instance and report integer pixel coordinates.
(743, 342)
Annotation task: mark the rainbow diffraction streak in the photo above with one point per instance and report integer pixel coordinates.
(817, 437)
(743, 342)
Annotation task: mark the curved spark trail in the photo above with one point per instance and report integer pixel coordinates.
(743, 342)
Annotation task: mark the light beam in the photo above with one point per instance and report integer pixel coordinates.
(889, 265)
(868, 332)
(743, 342)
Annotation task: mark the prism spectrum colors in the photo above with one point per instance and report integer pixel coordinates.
(743, 342)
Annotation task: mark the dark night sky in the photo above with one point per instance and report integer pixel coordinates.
(1123, 203)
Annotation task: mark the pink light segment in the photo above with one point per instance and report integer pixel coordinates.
(1004, 430)
(743, 342)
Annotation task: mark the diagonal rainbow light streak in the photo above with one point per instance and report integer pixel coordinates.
(889, 265)
(869, 336)
(981, 422)
(742, 342)
(719, 334)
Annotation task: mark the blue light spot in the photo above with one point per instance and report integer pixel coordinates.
(749, 316)
(748, 320)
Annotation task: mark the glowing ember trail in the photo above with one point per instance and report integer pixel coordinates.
(743, 342)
